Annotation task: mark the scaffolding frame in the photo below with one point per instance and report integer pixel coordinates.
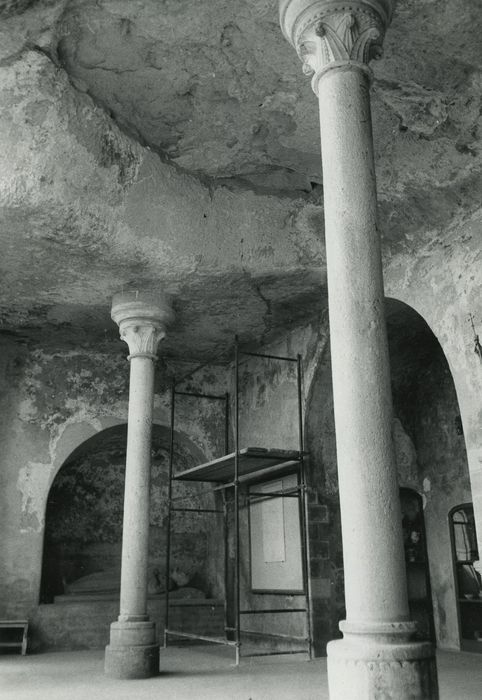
(296, 464)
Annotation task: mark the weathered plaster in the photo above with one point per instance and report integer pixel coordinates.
(268, 388)
(54, 402)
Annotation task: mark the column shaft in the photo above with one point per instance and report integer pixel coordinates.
(375, 584)
(377, 658)
(133, 651)
(135, 534)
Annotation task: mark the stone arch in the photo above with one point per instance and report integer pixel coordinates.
(81, 432)
(422, 429)
(84, 508)
(76, 434)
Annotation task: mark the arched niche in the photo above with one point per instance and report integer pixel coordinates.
(431, 459)
(84, 513)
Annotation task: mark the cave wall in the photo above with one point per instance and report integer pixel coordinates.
(52, 402)
(95, 210)
(268, 399)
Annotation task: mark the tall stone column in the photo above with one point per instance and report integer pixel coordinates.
(377, 658)
(133, 651)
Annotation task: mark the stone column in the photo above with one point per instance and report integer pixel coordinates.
(377, 658)
(133, 651)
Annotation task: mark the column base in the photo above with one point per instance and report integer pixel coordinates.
(133, 651)
(379, 662)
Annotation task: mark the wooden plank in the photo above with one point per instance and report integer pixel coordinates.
(272, 635)
(250, 460)
(13, 623)
(204, 638)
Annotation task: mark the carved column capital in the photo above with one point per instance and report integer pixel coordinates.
(142, 321)
(334, 33)
(142, 337)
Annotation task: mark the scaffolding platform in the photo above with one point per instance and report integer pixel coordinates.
(250, 461)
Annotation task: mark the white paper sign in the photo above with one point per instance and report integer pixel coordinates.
(273, 526)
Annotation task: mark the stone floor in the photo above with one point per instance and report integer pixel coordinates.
(199, 673)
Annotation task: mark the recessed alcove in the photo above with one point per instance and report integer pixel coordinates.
(83, 526)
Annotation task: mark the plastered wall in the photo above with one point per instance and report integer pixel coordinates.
(52, 402)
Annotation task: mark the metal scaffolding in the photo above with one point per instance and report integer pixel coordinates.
(228, 474)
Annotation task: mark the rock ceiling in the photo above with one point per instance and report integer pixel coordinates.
(176, 143)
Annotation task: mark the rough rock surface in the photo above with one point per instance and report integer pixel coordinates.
(86, 210)
(176, 144)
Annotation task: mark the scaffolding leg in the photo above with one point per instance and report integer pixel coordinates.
(305, 534)
(236, 501)
(169, 516)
